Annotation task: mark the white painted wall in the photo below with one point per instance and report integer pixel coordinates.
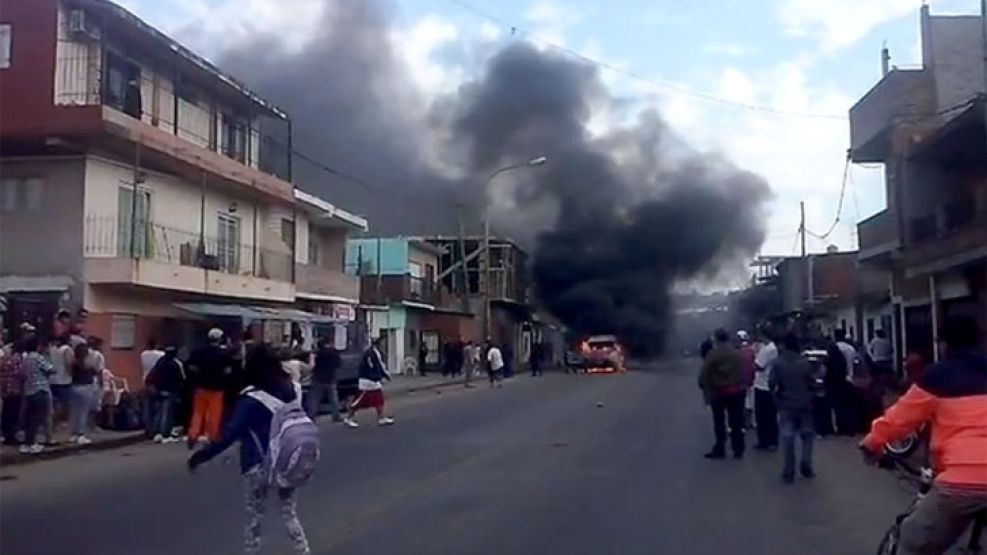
(302, 237)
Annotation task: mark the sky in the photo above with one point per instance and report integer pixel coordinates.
(800, 64)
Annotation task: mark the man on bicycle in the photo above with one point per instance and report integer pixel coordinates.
(952, 395)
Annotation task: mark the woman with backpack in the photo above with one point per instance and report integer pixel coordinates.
(255, 414)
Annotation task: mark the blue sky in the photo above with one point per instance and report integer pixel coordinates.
(806, 56)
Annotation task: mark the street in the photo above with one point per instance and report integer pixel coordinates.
(535, 467)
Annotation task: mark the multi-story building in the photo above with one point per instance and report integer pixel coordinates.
(405, 304)
(146, 187)
(927, 127)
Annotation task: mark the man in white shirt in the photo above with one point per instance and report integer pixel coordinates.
(849, 353)
(495, 364)
(62, 356)
(765, 410)
(881, 355)
(149, 357)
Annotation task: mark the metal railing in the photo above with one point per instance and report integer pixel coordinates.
(110, 237)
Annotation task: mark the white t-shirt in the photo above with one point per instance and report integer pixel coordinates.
(61, 359)
(764, 362)
(149, 358)
(880, 350)
(850, 355)
(495, 358)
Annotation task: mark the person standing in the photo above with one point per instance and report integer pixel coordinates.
(535, 360)
(12, 380)
(722, 381)
(471, 361)
(748, 352)
(422, 357)
(210, 370)
(37, 393)
(793, 385)
(250, 425)
(150, 357)
(449, 356)
(165, 383)
(327, 363)
(373, 372)
(62, 357)
(86, 377)
(495, 365)
(839, 389)
(765, 411)
(881, 355)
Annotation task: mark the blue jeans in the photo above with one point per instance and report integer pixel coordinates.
(82, 404)
(163, 412)
(797, 422)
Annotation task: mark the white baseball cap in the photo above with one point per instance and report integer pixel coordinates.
(215, 334)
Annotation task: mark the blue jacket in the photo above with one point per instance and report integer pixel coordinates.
(250, 419)
(372, 367)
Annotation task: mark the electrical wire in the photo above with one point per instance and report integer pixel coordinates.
(518, 31)
(839, 205)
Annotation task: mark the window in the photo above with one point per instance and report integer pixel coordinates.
(22, 194)
(288, 232)
(122, 331)
(134, 236)
(313, 251)
(234, 138)
(122, 85)
(5, 37)
(228, 244)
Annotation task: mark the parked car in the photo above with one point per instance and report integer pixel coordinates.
(603, 354)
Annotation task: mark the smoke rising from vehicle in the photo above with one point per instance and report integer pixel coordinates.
(614, 220)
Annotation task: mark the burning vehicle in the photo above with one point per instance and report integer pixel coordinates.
(603, 355)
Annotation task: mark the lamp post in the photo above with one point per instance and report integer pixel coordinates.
(487, 293)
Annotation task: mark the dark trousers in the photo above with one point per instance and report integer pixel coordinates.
(728, 409)
(766, 416)
(10, 419)
(843, 406)
(822, 415)
(37, 409)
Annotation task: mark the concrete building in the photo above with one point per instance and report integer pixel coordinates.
(137, 186)
(926, 126)
(404, 302)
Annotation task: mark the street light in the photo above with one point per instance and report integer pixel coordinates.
(487, 296)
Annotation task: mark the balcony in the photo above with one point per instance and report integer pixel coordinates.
(152, 255)
(902, 95)
(878, 238)
(403, 289)
(954, 235)
(319, 283)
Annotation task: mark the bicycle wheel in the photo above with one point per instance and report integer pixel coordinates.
(889, 543)
(903, 447)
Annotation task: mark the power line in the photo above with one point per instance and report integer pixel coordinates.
(518, 31)
(839, 206)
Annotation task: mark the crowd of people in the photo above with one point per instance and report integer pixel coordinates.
(44, 384)
(798, 396)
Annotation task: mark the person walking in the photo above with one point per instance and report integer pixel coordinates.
(765, 411)
(449, 356)
(210, 370)
(37, 393)
(327, 363)
(87, 367)
(12, 380)
(722, 382)
(373, 372)
(793, 384)
(250, 426)
(535, 360)
(422, 357)
(495, 365)
(165, 383)
(952, 395)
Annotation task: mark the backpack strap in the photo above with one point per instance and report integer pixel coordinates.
(269, 401)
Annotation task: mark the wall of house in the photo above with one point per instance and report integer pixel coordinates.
(393, 256)
(77, 66)
(953, 47)
(41, 224)
(423, 257)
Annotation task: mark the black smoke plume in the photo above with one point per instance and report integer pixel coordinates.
(614, 220)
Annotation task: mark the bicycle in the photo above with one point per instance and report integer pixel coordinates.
(922, 479)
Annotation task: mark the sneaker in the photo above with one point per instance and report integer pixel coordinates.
(37, 448)
(83, 440)
(808, 473)
(788, 478)
(158, 438)
(386, 421)
(715, 455)
(350, 423)
(168, 440)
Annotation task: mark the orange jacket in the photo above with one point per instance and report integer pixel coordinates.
(952, 395)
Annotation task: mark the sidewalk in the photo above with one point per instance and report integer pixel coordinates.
(108, 439)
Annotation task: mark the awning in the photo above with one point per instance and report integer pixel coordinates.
(34, 284)
(254, 312)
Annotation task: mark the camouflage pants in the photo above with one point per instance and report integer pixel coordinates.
(255, 489)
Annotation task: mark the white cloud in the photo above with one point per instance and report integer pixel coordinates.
(550, 20)
(839, 23)
(418, 45)
(728, 49)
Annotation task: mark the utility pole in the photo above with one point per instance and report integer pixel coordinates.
(487, 297)
(462, 259)
(805, 257)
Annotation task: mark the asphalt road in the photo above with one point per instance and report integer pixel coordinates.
(536, 467)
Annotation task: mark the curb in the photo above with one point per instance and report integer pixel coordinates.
(18, 459)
